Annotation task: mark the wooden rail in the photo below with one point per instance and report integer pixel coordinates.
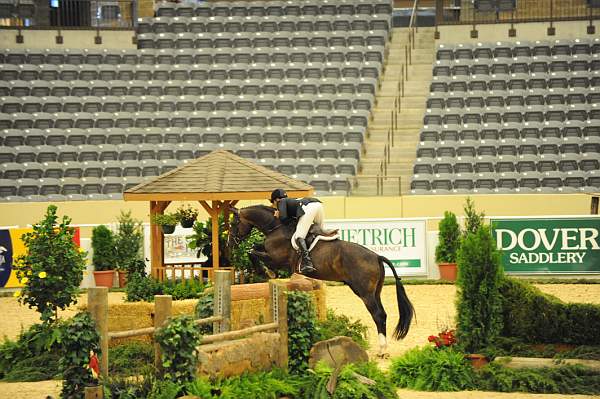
(226, 336)
(150, 330)
(98, 307)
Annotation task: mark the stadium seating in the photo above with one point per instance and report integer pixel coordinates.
(512, 117)
(289, 85)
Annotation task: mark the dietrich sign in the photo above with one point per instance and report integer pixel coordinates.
(541, 245)
(402, 241)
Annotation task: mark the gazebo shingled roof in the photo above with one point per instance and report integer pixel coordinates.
(220, 177)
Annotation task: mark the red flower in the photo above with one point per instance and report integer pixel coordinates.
(443, 339)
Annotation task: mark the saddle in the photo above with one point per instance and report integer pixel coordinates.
(315, 231)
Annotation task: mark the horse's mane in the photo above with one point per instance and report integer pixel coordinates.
(261, 207)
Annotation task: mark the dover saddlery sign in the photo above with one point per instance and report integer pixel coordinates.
(555, 245)
(402, 241)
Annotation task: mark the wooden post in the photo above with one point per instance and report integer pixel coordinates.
(215, 234)
(222, 300)
(213, 211)
(162, 311)
(98, 308)
(157, 245)
(94, 392)
(279, 309)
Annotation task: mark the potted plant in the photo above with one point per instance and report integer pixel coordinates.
(186, 216)
(447, 248)
(129, 241)
(104, 256)
(167, 221)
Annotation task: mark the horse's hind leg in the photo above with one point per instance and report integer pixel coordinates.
(378, 314)
(373, 303)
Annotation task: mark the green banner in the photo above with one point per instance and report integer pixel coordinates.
(542, 245)
(406, 262)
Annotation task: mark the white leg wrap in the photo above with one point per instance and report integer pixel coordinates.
(382, 342)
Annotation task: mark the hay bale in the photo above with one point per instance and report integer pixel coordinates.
(241, 292)
(250, 312)
(136, 315)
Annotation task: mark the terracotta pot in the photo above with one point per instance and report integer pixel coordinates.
(477, 361)
(104, 278)
(187, 223)
(168, 229)
(122, 279)
(448, 271)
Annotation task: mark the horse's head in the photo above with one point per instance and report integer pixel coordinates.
(259, 216)
(239, 228)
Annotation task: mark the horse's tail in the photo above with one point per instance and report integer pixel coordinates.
(405, 307)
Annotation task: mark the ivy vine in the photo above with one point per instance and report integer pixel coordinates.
(178, 340)
(78, 337)
(302, 329)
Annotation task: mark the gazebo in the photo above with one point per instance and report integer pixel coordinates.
(217, 181)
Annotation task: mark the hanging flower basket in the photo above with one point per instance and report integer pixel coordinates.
(187, 223)
(168, 228)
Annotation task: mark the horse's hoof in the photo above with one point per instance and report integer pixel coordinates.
(270, 274)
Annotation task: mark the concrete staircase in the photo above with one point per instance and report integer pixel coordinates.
(409, 119)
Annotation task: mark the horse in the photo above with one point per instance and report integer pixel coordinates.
(356, 266)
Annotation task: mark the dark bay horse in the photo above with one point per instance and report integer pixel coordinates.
(358, 267)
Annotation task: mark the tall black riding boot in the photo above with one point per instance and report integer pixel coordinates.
(306, 267)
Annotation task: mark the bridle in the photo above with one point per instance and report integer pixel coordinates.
(233, 232)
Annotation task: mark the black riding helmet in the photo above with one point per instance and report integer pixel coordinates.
(278, 194)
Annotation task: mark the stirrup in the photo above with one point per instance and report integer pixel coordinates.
(307, 269)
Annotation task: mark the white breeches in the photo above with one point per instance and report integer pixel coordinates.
(313, 213)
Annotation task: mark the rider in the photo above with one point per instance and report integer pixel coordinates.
(306, 211)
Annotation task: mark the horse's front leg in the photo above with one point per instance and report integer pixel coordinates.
(259, 259)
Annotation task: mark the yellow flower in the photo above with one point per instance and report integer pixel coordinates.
(81, 249)
(42, 275)
(17, 294)
(24, 280)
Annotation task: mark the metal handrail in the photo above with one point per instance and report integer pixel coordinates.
(379, 181)
(413, 17)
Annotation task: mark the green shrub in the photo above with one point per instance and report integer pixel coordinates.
(261, 385)
(142, 288)
(52, 268)
(147, 386)
(449, 239)
(563, 380)
(302, 329)
(39, 341)
(473, 220)
(183, 289)
(104, 251)
(78, 337)
(178, 341)
(479, 306)
(131, 358)
(129, 242)
(341, 325)
(429, 369)
(535, 317)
